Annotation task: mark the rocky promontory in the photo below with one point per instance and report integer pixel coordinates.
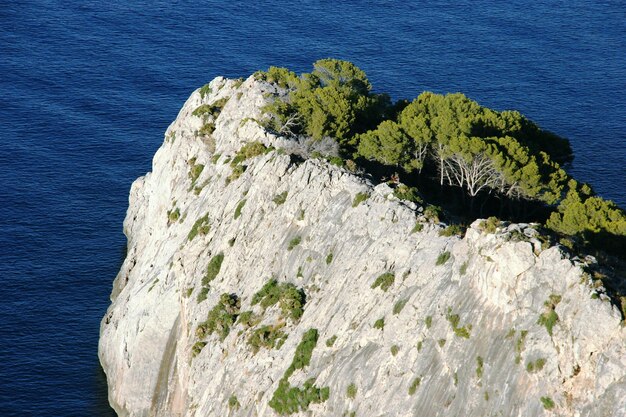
(260, 281)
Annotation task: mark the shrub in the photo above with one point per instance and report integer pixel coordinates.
(417, 228)
(173, 215)
(213, 268)
(441, 342)
(233, 402)
(351, 391)
(443, 258)
(535, 366)
(433, 213)
(238, 208)
(268, 337)
(547, 402)
(197, 348)
(290, 299)
(204, 90)
(331, 341)
(294, 242)
(207, 129)
(237, 172)
(289, 400)
(194, 170)
(490, 225)
(428, 321)
(394, 350)
(329, 258)
(454, 320)
(304, 351)
(479, 366)
(404, 192)
(463, 268)
(384, 281)
(221, 318)
(380, 323)
(414, 384)
(359, 198)
(549, 317)
(453, 229)
(399, 305)
(519, 346)
(202, 110)
(248, 319)
(280, 198)
(202, 295)
(249, 150)
(201, 226)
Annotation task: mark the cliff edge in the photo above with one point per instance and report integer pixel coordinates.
(261, 283)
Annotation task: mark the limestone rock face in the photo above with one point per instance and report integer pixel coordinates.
(460, 334)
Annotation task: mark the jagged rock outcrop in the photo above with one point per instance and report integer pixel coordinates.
(491, 324)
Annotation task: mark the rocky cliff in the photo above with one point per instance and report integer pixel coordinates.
(259, 283)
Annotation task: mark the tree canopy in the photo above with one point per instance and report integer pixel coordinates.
(481, 151)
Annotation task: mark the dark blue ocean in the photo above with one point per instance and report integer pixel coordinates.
(88, 88)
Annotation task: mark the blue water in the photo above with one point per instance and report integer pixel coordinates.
(87, 90)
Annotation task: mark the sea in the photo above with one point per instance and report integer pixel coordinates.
(87, 89)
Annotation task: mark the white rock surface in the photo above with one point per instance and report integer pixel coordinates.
(149, 330)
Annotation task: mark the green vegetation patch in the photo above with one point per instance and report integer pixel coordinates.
(351, 391)
(535, 366)
(197, 348)
(329, 258)
(399, 305)
(280, 199)
(359, 198)
(200, 227)
(454, 320)
(404, 192)
(394, 350)
(414, 385)
(213, 268)
(520, 345)
(452, 230)
(239, 208)
(547, 403)
(290, 299)
(248, 319)
(233, 402)
(428, 321)
(294, 242)
(173, 215)
(443, 258)
(490, 225)
(417, 228)
(249, 150)
(268, 337)
(202, 295)
(288, 399)
(331, 341)
(479, 366)
(194, 170)
(384, 281)
(205, 90)
(380, 323)
(549, 317)
(221, 317)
